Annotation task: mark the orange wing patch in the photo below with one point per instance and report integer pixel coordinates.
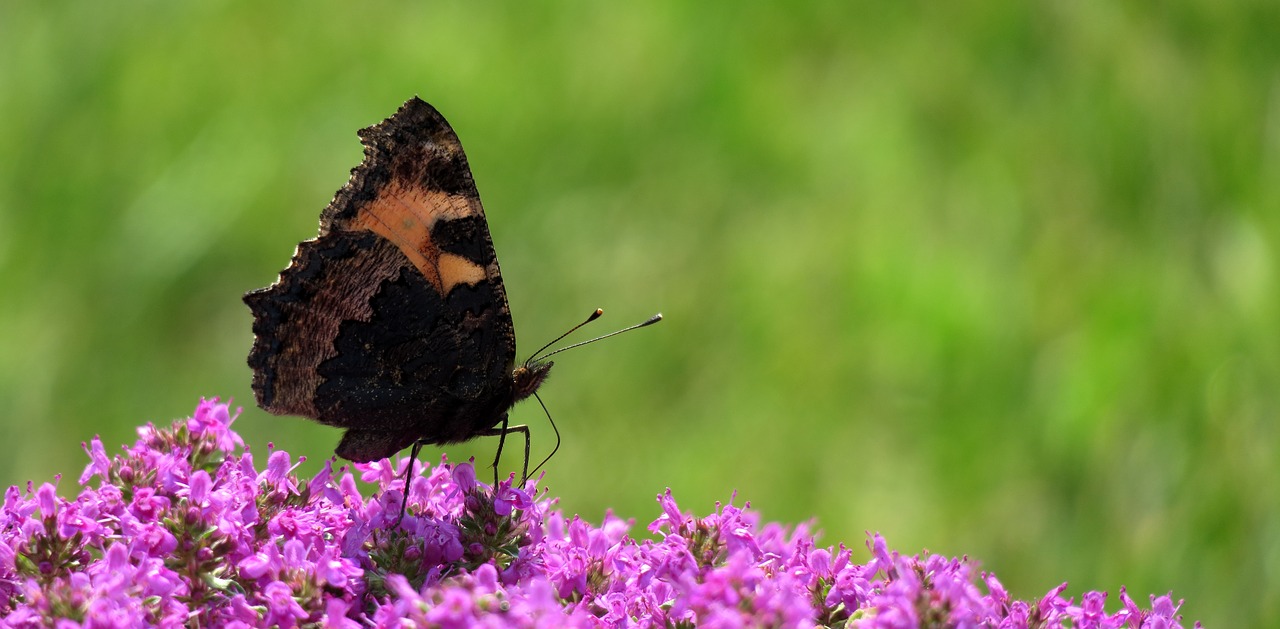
(406, 216)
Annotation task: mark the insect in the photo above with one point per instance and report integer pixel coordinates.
(393, 322)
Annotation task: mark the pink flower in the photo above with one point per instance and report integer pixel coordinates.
(507, 498)
(47, 499)
(282, 609)
(184, 529)
(99, 463)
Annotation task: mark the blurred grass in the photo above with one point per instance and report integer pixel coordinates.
(996, 280)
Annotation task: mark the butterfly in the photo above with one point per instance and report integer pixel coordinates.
(393, 323)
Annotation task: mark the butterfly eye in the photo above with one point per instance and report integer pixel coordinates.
(528, 378)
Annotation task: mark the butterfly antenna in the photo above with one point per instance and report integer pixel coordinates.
(650, 321)
(408, 476)
(595, 315)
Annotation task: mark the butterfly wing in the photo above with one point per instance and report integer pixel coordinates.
(393, 322)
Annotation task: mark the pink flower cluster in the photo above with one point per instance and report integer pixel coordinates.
(182, 529)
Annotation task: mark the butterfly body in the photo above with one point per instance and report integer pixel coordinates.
(393, 322)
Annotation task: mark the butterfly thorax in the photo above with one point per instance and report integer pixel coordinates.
(527, 378)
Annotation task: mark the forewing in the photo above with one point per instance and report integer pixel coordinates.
(395, 314)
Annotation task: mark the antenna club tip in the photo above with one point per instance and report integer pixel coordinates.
(599, 311)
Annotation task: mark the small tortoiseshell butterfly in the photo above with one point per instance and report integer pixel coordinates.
(393, 323)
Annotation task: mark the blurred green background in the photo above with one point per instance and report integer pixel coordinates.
(996, 280)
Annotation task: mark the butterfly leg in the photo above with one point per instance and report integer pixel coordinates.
(408, 477)
(501, 434)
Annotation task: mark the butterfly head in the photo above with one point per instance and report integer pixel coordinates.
(528, 377)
